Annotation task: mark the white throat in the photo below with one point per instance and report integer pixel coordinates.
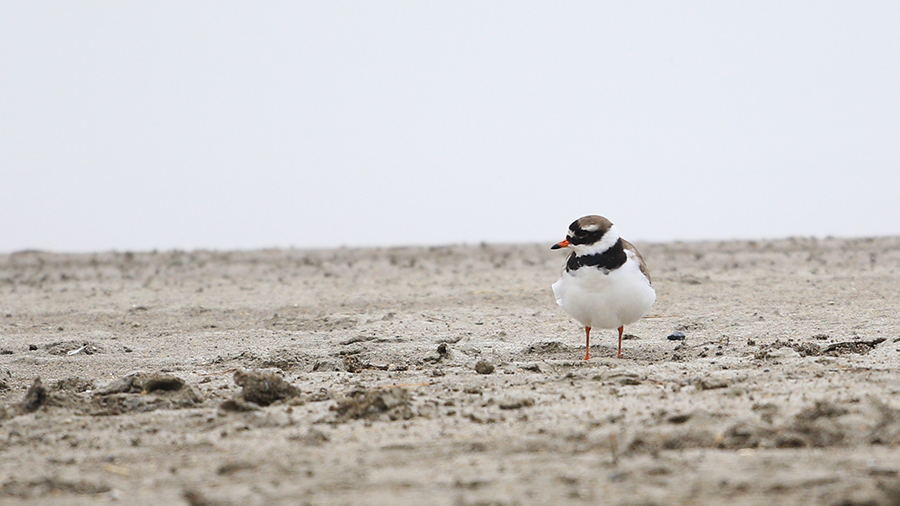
(608, 241)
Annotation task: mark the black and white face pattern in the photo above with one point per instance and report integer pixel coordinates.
(592, 234)
(594, 242)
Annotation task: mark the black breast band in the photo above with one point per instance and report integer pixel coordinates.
(610, 259)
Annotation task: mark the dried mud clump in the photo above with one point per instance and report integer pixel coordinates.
(805, 349)
(442, 352)
(61, 394)
(71, 393)
(547, 347)
(354, 364)
(285, 359)
(744, 434)
(141, 392)
(73, 384)
(74, 348)
(375, 404)
(825, 424)
(887, 430)
(821, 425)
(263, 388)
(484, 367)
(35, 397)
(815, 426)
(50, 487)
(860, 347)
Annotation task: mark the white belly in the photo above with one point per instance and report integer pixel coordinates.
(607, 301)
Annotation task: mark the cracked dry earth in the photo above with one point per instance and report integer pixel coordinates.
(449, 376)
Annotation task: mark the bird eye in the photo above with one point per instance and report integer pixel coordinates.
(580, 232)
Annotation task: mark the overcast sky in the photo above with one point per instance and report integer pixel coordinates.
(213, 124)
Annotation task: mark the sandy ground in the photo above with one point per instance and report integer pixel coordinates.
(352, 376)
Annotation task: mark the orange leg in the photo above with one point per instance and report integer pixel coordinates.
(587, 346)
(619, 355)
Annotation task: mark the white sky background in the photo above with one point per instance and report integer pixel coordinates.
(211, 124)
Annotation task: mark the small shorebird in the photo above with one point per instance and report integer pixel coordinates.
(605, 282)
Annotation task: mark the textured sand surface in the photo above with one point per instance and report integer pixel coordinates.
(153, 367)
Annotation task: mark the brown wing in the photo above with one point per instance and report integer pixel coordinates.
(627, 245)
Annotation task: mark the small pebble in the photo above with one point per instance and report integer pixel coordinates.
(676, 336)
(484, 367)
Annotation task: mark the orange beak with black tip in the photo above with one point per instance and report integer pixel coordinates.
(562, 244)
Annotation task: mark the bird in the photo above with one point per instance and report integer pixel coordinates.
(605, 282)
